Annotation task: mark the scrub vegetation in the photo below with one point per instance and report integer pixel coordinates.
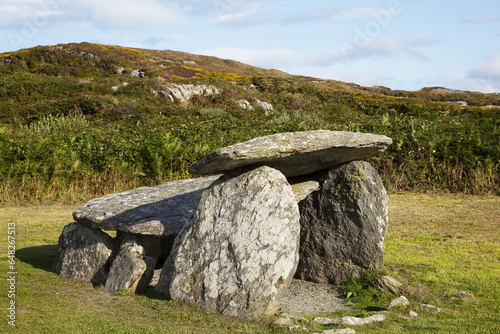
(65, 134)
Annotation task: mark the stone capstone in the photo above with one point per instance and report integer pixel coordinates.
(160, 210)
(83, 253)
(240, 249)
(133, 267)
(343, 225)
(293, 153)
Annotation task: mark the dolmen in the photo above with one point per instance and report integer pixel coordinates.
(301, 204)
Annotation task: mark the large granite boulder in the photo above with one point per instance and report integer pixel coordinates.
(133, 267)
(343, 225)
(240, 249)
(161, 210)
(83, 253)
(293, 153)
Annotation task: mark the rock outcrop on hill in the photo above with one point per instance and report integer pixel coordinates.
(183, 93)
(242, 236)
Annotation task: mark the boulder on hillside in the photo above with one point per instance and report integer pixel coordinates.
(293, 153)
(183, 93)
(161, 210)
(343, 225)
(83, 253)
(240, 249)
(137, 74)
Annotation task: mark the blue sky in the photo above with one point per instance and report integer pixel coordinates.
(401, 44)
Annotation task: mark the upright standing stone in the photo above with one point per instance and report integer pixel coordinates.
(240, 249)
(133, 267)
(83, 253)
(343, 225)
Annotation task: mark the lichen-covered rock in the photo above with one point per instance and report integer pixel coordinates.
(83, 253)
(161, 210)
(293, 153)
(133, 267)
(240, 249)
(343, 225)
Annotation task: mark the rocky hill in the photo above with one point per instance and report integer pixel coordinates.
(83, 59)
(82, 120)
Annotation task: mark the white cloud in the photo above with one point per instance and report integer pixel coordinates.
(270, 58)
(114, 14)
(241, 19)
(36, 13)
(487, 76)
(255, 15)
(362, 46)
(482, 19)
(357, 13)
(134, 15)
(285, 58)
(491, 69)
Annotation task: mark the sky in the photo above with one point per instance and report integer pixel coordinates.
(400, 44)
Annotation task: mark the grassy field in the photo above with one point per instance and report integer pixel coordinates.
(437, 245)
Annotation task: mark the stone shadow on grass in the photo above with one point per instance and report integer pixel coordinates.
(40, 257)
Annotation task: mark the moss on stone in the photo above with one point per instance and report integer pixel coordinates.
(351, 185)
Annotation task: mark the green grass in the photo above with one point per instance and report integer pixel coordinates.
(436, 245)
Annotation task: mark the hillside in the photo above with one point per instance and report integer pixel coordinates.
(81, 120)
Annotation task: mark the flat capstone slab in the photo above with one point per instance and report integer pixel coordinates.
(160, 210)
(293, 153)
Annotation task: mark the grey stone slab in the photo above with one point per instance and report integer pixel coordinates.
(161, 210)
(293, 153)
